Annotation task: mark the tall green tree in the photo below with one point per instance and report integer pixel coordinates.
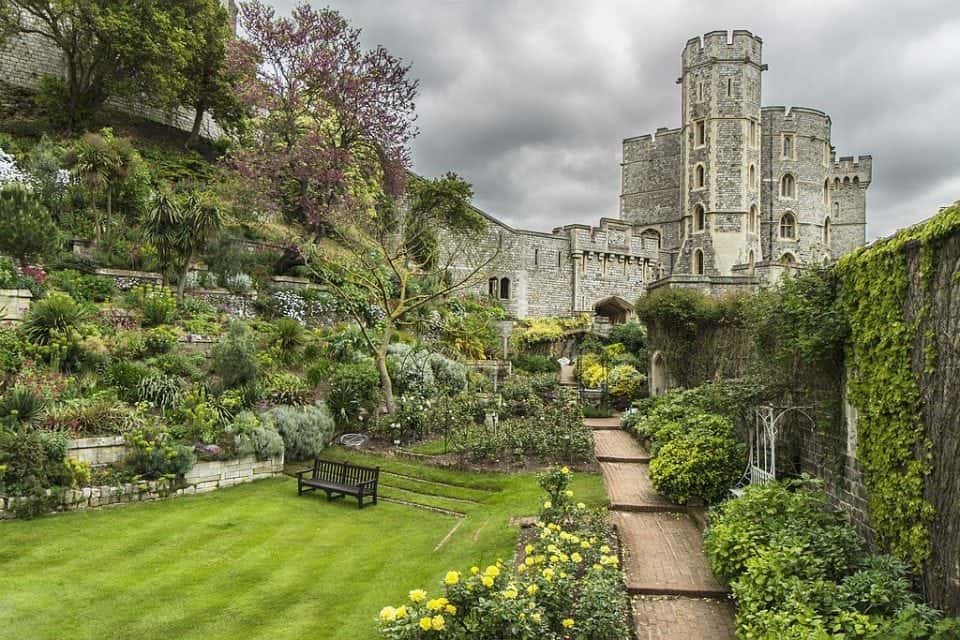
(27, 231)
(214, 70)
(180, 229)
(110, 48)
(102, 161)
(384, 270)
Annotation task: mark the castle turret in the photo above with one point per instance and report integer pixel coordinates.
(721, 160)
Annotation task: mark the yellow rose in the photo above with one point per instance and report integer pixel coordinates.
(604, 549)
(487, 581)
(425, 623)
(528, 548)
(401, 612)
(493, 571)
(576, 557)
(522, 568)
(532, 589)
(388, 614)
(580, 505)
(568, 493)
(568, 622)
(536, 617)
(417, 595)
(584, 545)
(547, 504)
(474, 570)
(434, 605)
(438, 623)
(565, 470)
(453, 577)
(528, 561)
(451, 609)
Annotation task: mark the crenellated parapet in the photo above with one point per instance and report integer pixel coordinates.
(852, 170)
(740, 45)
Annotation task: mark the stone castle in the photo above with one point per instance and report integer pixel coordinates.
(731, 199)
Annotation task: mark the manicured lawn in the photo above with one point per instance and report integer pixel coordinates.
(255, 561)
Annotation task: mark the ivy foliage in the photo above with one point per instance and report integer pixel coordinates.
(892, 445)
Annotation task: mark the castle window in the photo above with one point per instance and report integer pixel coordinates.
(559, 259)
(729, 87)
(700, 91)
(701, 133)
(826, 191)
(846, 181)
(836, 209)
(826, 232)
(788, 186)
(856, 181)
(700, 177)
(536, 257)
(698, 262)
(493, 287)
(788, 259)
(651, 239)
(787, 146)
(699, 218)
(752, 180)
(788, 226)
(752, 219)
(504, 288)
(836, 183)
(751, 260)
(753, 132)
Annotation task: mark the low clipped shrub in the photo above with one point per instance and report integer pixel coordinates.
(305, 430)
(32, 460)
(533, 363)
(697, 466)
(625, 383)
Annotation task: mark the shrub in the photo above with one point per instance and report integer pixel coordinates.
(699, 465)
(157, 304)
(239, 282)
(288, 334)
(255, 438)
(288, 388)
(27, 230)
(234, 357)
(305, 430)
(11, 351)
(22, 405)
(160, 340)
(32, 460)
(162, 391)
(153, 454)
(410, 370)
(532, 363)
(56, 313)
(99, 414)
(632, 335)
(354, 389)
(82, 286)
(126, 377)
(449, 375)
(625, 383)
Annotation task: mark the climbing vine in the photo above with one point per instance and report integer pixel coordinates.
(892, 445)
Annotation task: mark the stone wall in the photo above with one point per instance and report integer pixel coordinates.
(14, 304)
(202, 478)
(98, 452)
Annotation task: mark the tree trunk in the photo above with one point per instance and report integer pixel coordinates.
(109, 209)
(194, 137)
(182, 281)
(386, 386)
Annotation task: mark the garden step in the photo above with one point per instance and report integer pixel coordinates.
(669, 617)
(630, 489)
(663, 555)
(602, 423)
(618, 446)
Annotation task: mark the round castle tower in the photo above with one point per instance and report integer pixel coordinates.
(721, 152)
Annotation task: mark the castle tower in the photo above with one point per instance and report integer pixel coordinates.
(720, 153)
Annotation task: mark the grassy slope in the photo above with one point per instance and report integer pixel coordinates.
(254, 561)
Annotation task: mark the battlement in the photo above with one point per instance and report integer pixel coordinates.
(850, 168)
(805, 121)
(652, 139)
(723, 45)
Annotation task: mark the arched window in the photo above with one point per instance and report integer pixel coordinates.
(651, 239)
(788, 259)
(493, 287)
(788, 186)
(788, 226)
(751, 260)
(846, 181)
(826, 232)
(752, 180)
(698, 262)
(788, 146)
(752, 219)
(856, 181)
(504, 288)
(836, 183)
(699, 218)
(753, 132)
(836, 209)
(826, 191)
(700, 137)
(700, 176)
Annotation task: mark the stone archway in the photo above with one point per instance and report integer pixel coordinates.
(614, 308)
(658, 374)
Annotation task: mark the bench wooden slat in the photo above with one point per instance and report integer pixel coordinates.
(338, 479)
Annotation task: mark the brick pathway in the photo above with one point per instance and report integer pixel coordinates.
(675, 594)
(602, 423)
(617, 446)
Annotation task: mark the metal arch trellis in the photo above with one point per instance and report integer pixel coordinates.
(762, 463)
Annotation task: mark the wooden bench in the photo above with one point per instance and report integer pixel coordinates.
(339, 479)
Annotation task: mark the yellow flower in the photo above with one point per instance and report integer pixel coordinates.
(580, 505)
(598, 566)
(532, 589)
(474, 570)
(576, 557)
(568, 622)
(547, 504)
(451, 609)
(487, 581)
(493, 571)
(528, 548)
(425, 623)
(401, 612)
(438, 623)
(553, 548)
(435, 605)
(553, 527)
(584, 545)
(604, 549)
(510, 593)
(388, 614)
(522, 568)
(568, 493)
(536, 617)
(565, 470)
(548, 574)
(417, 595)
(453, 577)
(528, 561)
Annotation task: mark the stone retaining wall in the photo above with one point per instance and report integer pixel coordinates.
(203, 477)
(98, 452)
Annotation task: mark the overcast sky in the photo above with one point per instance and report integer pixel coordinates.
(530, 100)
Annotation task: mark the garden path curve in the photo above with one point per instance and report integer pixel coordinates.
(674, 593)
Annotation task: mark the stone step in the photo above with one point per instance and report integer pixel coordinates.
(663, 555)
(602, 423)
(618, 446)
(629, 488)
(671, 617)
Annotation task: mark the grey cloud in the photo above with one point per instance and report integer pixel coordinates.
(530, 100)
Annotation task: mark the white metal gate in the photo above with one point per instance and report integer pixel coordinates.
(762, 463)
